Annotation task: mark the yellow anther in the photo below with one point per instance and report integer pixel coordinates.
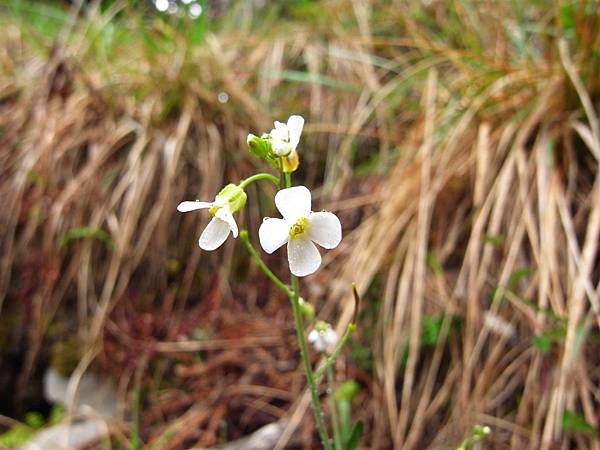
(299, 228)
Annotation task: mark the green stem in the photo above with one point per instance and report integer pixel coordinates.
(310, 379)
(259, 176)
(261, 264)
(308, 372)
(337, 438)
(330, 360)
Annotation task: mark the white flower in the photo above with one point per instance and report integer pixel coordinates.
(322, 337)
(229, 200)
(299, 228)
(285, 137)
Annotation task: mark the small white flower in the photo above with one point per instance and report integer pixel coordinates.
(222, 223)
(299, 228)
(285, 137)
(322, 337)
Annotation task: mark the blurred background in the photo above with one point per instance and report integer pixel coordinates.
(458, 141)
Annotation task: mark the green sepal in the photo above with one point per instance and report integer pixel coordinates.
(261, 147)
(234, 196)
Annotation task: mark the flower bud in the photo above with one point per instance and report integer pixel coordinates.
(260, 146)
(233, 196)
(307, 309)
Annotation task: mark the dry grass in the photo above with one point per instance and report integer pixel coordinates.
(478, 207)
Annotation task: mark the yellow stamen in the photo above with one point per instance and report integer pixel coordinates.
(299, 228)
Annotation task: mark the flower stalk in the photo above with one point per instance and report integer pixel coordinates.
(301, 230)
(330, 360)
(308, 372)
(335, 423)
(261, 264)
(259, 176)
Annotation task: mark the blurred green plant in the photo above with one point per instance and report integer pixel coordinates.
(349, 433)
(576, 423)
(87, 233)
(478, 434)
(33, 421)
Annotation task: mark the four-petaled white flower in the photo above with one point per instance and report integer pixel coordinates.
(229, 200)
(322, 337)
(299, 228)
(285, 137)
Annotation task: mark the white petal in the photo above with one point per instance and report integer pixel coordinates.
(313, 336)
(214, 234)
(273, 233)
(330, 337)
(280, 132)
(293, 203)
(325, 229)
(225, 215)
(295, 125)
(280, 126)
(280, 147)
(303, 256)
(192, 206)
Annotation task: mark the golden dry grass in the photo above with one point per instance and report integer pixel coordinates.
(478, 204)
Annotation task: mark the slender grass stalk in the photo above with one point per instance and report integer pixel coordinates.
(135, 428)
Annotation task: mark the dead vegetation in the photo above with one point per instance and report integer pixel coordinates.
(460, 151)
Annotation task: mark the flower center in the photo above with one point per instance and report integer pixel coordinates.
(213, 210)
(299, 228)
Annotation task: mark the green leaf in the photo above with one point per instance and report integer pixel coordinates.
(432, 325)
(347, 391)
(16, 436)
(543, 343)
(576, 423)
(580, 337)
(310, 78)
(518, 275)
(87, 233)
(355, 436)
(434, 263)
(567, 20)
(200, 25)
(57, 414)
(493, 239)
(343, 397)
(34, 420)
(432, 328)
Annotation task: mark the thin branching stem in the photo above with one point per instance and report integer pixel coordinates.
(259, 176)
(261, 264)
(310, 378)
(330, 360)
(335, 424)
(308, 371)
